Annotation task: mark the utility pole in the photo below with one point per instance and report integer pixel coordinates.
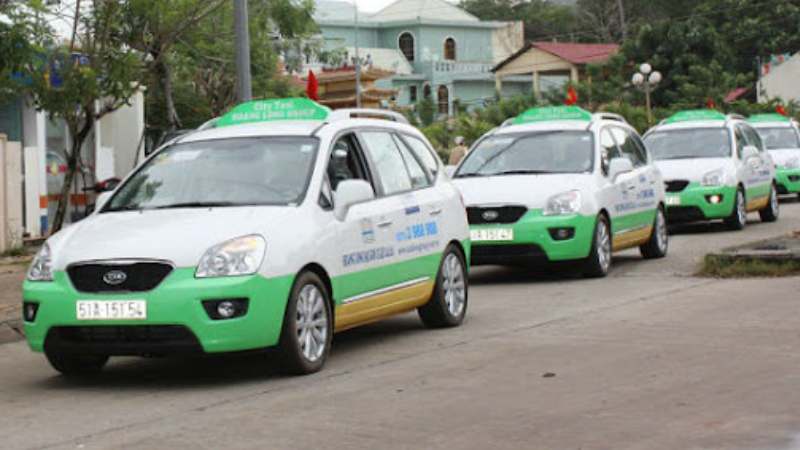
(245, 89)
(622, 26)
(358, 58)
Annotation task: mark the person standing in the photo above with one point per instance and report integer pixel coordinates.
(458, 152)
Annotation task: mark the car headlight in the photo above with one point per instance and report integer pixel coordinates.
(793, 163)
(41, 268)
(714, 178)
(564, 203)
(237, 257)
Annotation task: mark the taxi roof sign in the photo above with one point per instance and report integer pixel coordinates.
(552, 114)
(286, 109)
(773, 117)
(696, 115)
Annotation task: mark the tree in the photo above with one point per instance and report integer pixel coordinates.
(80, 83)
(542, 19)
(154, 27)
(15, 47)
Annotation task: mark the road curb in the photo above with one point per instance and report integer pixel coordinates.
(11, 331)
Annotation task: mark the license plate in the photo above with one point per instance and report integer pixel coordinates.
(111, 310)
(492, 234)
(673, 200)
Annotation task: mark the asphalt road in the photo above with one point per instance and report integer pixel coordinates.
(650, 358)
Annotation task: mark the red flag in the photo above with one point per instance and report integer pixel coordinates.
(312, 87)
(572, 96)
(710, 104)
(781, 110)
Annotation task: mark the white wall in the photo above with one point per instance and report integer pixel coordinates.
(121, 132)
(782, 82)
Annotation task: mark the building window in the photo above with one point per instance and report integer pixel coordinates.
(444, 100)
(450, 49)
(412, 94)
(406, 43)
(426, 91)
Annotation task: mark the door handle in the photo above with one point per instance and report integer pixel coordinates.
(436, 211)
(384, 224)
(631, 187)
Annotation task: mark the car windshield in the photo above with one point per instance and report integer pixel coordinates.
(530, 153)
(689, 143)
(226, 172)
(775, 138)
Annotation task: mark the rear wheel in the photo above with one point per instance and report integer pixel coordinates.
(599, 261)
(772, 210)
(76, 365)
(658, 244)
(307, 326)
(738, 218)
(448, 305)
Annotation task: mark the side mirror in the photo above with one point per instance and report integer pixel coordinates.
(749, 151)
(348, 193)
(619, 166)
(101, 200)
(450, 170)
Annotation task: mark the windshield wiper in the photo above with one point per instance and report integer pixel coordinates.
(198, 205)
(122, 208)
(522, 172)
(470, 175)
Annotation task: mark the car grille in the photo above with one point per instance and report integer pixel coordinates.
(676, 185)
(682, 214)
(123, 339)
(505, 214)
(139, 276)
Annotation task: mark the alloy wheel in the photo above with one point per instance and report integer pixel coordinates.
(603, 247)
(453, 284)
(312, 323)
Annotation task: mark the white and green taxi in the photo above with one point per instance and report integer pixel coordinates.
(715, 167)
(277, 224)
(781, 136)
(562, 184)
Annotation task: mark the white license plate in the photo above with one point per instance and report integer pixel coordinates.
(673, 200)
(111, 310)
(492, 234)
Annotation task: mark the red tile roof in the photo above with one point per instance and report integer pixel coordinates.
(572, 52)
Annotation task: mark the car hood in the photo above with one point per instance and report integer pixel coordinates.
(782, 155)
(692, 169)
(532, 191)
(181, 236)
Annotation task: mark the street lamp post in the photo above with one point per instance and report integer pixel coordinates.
(647, 80)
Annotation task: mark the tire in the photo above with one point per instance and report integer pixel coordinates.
(448, 305)
(598, 263)
(307, 329)
(738, 218)
(773, 209)
(76, 365)
(658, 244)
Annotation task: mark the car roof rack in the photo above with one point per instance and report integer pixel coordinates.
(609, 116)
(366, 113)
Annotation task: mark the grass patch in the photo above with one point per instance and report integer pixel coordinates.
(726, 267)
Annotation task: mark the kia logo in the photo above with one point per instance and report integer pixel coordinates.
(115, 277)
(490, 215)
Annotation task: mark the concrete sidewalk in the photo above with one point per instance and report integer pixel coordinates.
(11, 277)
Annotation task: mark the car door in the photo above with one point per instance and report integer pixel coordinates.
(765, 172)
(642, 212)
(401, 181)
(748, 169)
(615, 194)
(363, 241)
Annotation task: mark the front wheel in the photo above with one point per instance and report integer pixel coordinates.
(738, 218)
(599, 261)
(76, 365)
(448, 305)
(772, 211)
(307, 326)
(658, 244)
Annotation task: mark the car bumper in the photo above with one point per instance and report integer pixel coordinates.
(788, 181)
(534, 240)
(176, 319)
(695, 203)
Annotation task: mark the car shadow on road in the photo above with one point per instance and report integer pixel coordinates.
(488, 275)
(212, 371)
